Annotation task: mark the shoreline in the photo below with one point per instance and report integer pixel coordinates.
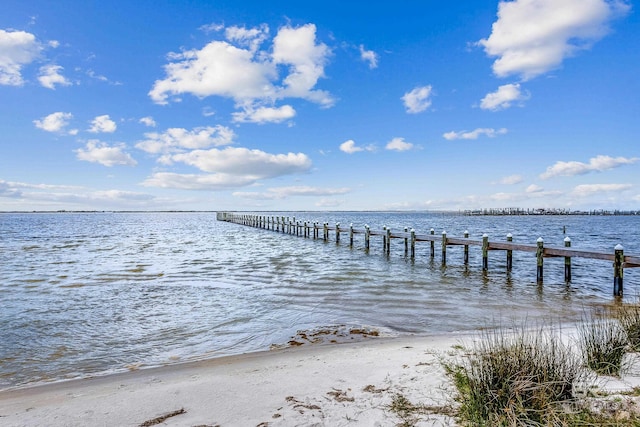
(328, 384)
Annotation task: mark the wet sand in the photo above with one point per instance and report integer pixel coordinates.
(332, 385)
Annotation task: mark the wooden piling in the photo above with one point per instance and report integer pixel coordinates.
(388, 241)
(351, 235)
(433, 245)
(466, 249)
(567, 261)
(367, 237)
(413, 243)
(485, 252)
(292, 226)
(618, 271)
(384, 239)
(540, 260)
(406, 242)
(444, 247)
(509, 253)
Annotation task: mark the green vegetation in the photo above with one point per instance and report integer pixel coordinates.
(604, 343)
(629, 317)
(531, 377)
(515, 378)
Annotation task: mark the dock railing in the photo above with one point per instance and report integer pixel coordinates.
(290, 225)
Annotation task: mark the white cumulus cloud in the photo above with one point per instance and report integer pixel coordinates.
(511, 180)
(248, 37)
(203, 182)
(369, 56)
(532, 37)
(263, 115)
(277, 193)
(180, 139)
(100, 152)
(148, 121)
(586, 190)
(240, 69)
(103, 124)
(533, 188)
(474, 134)
(54, 122)
(504, 97)
(50, 77)
(596, 164)
(418, 99)
(350, 147)
(243, 161)
(17, 49)
(399, 144)
(228, 168)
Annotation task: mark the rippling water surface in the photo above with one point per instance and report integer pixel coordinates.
(92, 293)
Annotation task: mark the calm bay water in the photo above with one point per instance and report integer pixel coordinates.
(91, 293)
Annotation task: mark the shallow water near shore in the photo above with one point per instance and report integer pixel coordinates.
(92, 293)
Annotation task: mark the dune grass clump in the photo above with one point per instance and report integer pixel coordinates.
(524, 377)
(629, 317)
(604, 343)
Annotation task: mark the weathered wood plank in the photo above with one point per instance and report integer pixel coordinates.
(631, 261)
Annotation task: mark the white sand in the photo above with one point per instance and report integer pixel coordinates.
(321, 385)
(329, 385)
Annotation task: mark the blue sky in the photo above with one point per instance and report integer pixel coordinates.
(282, 105)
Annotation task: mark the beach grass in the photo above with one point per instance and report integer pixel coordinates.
(516, 377)
(604, 343)
(533, 377)
(629, 317)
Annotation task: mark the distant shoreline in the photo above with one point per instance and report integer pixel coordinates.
(466, 212)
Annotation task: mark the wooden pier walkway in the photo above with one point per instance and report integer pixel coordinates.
(307, 229)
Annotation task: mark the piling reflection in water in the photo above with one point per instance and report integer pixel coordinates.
(93, 293)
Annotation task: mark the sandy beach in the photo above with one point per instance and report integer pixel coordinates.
(350, 384)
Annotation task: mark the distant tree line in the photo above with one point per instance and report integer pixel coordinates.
(547, 211)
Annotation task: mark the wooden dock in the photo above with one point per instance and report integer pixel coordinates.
(308, 229)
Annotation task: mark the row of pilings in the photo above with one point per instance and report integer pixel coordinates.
(307, 229)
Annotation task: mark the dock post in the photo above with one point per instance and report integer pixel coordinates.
(540, 258)
(384, 239)
(485, 252)
(509, 254)
(351, 235)
(618, 270)
(326, 231)
(413, 243)
(444, 247)
(466, 248)
(367, 236)
(567, 261)
(406, 242)
(433, 245)
(315, 230)
(388, 241)
(305, 230)
(337, 232)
